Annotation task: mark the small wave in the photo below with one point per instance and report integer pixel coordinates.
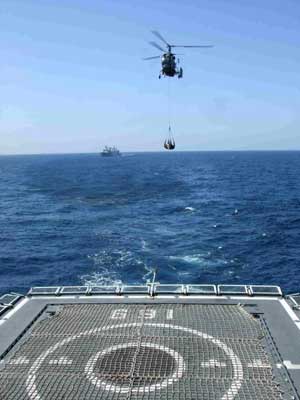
(114, 258)
(190, 259)
(103, 278)
(177, 209)
(200, 259)
(147, 277)
(110, 266)
(162, 230)
(144, 244)
(190, 209)
(184, 274)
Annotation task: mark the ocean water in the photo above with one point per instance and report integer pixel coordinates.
(203, 217)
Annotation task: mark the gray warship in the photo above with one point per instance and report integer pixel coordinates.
(110, 152)
(152, 341)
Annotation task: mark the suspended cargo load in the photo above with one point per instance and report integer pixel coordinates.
(169, 143)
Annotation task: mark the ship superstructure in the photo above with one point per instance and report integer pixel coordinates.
(110, 152)
(225, 342)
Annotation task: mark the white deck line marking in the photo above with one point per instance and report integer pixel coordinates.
(290, 365)
(213, 364)
(15, 309)
(19, 361)
(258, 364)
(61, 361)
(291, 313)
(170, 313)
(31, 385)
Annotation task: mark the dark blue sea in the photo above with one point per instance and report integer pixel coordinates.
(203, 217)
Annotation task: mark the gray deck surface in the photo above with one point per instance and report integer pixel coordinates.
(149, 349)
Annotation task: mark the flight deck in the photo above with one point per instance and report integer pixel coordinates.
(225, 342)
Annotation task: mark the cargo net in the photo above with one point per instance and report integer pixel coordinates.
(143, 352)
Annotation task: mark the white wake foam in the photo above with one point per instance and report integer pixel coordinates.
(190, 209)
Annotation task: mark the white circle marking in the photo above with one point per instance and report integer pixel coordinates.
(180, 367)
(236, 362)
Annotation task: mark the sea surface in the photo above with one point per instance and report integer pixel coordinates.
(202, 217)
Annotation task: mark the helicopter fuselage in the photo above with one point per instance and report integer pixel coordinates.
(168, 60)
(168, 64)
(169, 68)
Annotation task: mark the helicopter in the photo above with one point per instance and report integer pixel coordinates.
(168, 59)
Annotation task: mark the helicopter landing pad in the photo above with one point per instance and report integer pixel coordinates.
(144, 351)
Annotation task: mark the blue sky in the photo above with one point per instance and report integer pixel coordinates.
(72, 78)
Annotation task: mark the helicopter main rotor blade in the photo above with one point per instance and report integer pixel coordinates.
(157, 34)
(151, 58)
(208, 46)
(157, 46)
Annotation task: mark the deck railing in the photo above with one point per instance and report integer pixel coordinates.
(155, 289)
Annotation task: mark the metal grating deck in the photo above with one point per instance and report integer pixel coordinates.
(159, 351)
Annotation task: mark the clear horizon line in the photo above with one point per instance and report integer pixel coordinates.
(153, 151)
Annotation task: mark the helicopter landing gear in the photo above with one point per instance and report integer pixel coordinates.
(180, 73)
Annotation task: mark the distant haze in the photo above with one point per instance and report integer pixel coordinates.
(72, 77)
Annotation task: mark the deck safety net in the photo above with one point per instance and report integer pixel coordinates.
(130, 351)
